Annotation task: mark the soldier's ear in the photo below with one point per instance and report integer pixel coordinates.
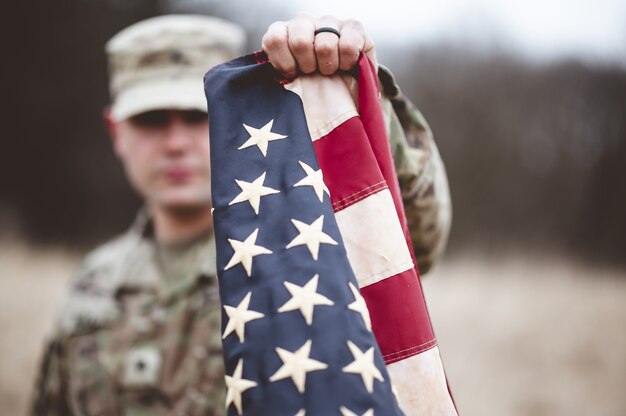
(112, 128)
(108, 121)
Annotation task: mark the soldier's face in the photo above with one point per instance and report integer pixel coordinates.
(166, 157)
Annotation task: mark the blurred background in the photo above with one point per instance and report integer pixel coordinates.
(527, 101)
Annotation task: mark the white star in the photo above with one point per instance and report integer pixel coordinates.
(296, 364)
(363, 365)
(300, 413)
(245, 251)
(360, 306)
(315, 179)
(261, 137)
(236, 386)
(346, 412)
(304, 298)
(311, 235)
(252, 192)
(239, 316)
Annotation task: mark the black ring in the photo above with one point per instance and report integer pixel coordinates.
(327, 29)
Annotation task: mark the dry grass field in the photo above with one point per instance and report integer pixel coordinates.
(519, 336)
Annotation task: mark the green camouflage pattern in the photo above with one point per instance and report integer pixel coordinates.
(421, 173)
(136, 338)
(139, 331)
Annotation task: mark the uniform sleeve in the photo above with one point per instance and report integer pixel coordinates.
(50, 392)
(421, 173)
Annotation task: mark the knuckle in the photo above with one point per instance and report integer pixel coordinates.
(349, 50)
(327, 65)
(323, 49)
(275, 35)
(272, 40)
(299, 45)
(345, 66)
(327, 68)
(307, 69)
(289, 70)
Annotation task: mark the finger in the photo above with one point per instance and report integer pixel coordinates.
(301, 39)
(370, 51)
(326, 47)
(275, 45)
(350, 46)
(353, 41)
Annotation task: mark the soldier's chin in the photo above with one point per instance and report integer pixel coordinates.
(184, 201)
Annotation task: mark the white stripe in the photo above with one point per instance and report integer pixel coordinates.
(374, 239)
(327, 101)
(420, 385)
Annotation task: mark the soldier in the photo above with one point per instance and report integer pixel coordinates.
(139, 330)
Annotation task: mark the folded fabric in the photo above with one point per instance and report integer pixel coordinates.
(323, 307)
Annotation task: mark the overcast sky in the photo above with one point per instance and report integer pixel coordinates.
(594, 30)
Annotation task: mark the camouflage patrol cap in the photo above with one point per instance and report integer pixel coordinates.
(159, 63)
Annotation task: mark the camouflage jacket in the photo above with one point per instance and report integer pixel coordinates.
(140, 328)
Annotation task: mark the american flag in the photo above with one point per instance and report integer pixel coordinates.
(323, 312)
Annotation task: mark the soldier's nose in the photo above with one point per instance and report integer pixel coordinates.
(177, 137)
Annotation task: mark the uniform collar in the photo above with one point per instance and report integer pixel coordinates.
(170, 271)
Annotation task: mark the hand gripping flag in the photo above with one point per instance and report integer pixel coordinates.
(323, 307)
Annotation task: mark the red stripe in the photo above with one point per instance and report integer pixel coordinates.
(356, 161)
(374, 125)
(399, 316)
(350, 169)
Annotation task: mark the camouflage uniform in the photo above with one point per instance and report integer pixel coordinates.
(422, 176)
(139, 332)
